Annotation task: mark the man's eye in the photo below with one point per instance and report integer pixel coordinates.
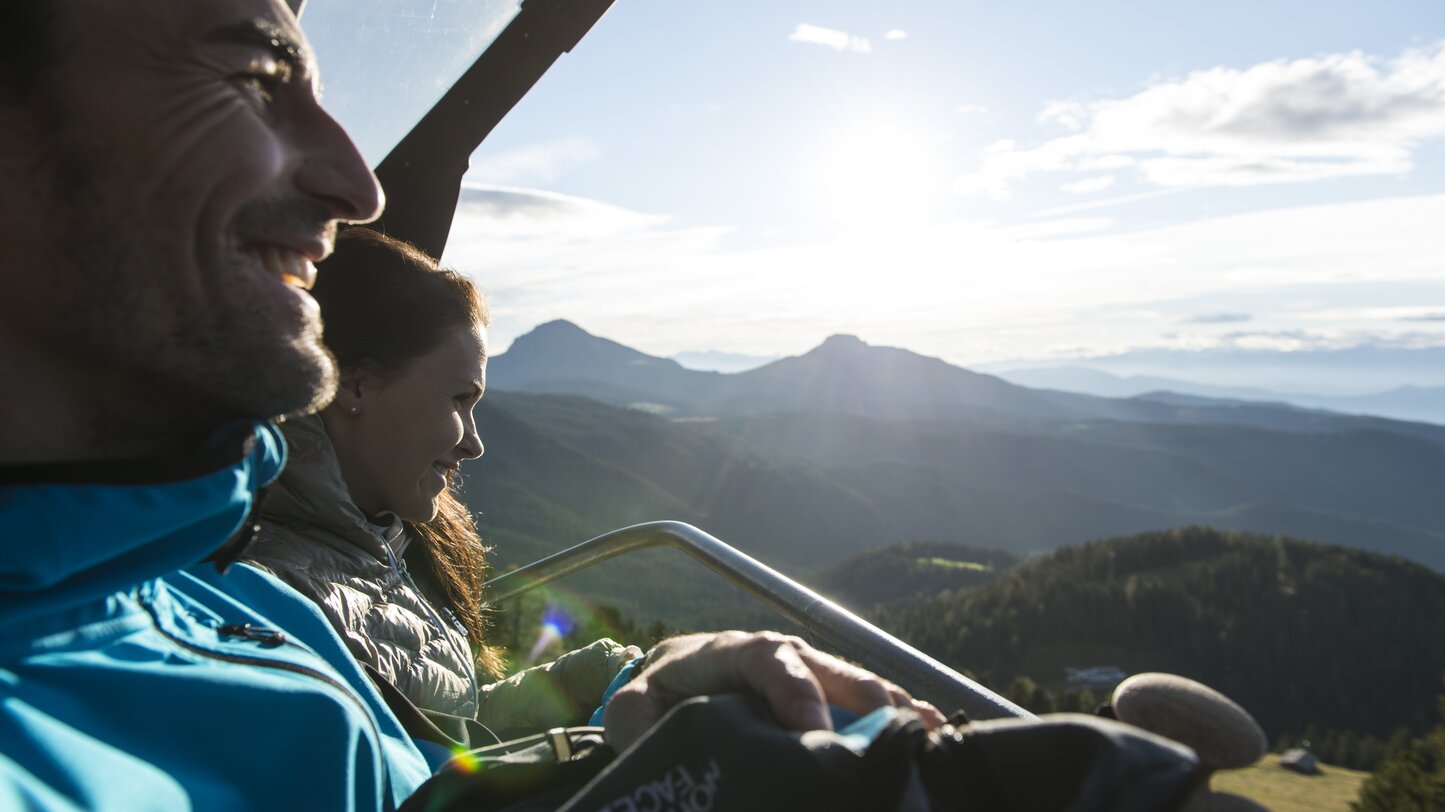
(261, 86)
(262, 79)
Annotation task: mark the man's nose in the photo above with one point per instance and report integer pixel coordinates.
(333, 171)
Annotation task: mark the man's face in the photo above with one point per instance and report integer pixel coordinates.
(164, 193)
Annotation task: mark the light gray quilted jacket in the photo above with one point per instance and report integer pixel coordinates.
(315, 539)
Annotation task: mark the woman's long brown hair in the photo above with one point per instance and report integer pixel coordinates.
(384, 304)
(459, 563)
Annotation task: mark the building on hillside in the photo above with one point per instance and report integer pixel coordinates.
(1100, 675)
(1301, 761)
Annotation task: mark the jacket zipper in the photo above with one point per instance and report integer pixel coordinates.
(399, 567)
(272, 638)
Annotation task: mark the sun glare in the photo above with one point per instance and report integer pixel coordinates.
(877, 175)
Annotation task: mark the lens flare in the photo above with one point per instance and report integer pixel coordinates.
(557, 623)
(465, 761)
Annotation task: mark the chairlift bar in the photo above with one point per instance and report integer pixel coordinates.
(422, 175)
(872, 647)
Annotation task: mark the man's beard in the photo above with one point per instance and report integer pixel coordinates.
(185, 324)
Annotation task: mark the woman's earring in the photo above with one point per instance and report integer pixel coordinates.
(354, 411)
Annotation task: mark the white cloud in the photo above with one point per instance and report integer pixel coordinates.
(1218, 318)
(831, 37)
(1071, 115)
(1002, 163)
(971, 109)
(538, 163)
(1106, 163)
(1089, 186)
(1056, 227)
(965, 291)
(501, 212)
(896, 34)
(1393, 313)
(1294, 340)
(1337, 115)
(1252, 171)
(540, 255)
(1105, 203)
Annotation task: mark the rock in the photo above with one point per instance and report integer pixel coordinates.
(1222, 733)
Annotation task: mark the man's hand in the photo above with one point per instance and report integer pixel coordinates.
(797, 681)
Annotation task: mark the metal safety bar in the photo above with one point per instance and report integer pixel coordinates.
(873, 648)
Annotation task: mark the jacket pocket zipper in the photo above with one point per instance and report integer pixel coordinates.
(272, 638)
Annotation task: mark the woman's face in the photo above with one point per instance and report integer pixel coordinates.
(399, 439)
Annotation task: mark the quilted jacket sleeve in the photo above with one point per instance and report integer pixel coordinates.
(561, 693)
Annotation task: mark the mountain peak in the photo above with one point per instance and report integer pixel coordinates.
(561, 351)
(841, 345)
(559, 327)
(554, 337)
(843, 341)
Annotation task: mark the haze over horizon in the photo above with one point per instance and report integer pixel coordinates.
(977, 183)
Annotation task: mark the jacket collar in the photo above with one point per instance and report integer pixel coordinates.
(76, 532)
(312, 492)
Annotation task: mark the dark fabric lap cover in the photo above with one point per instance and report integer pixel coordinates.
(720, 754)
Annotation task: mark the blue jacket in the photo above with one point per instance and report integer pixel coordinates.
(128, 681)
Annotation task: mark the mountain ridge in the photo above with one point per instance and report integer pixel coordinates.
(845, 374)
(1409, 402)
(850, 447)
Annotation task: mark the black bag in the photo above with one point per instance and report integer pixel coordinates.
(537, 772)
(726, 754)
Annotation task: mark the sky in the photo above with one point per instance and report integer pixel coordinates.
(982, 182)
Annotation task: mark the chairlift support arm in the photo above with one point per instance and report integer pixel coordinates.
(422, 175)
(874, 648)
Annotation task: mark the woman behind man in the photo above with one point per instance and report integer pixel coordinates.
(366, 498)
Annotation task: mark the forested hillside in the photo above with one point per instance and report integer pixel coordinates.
(1302, 634)
(803, 491)
(904, 573)
(1308, 636)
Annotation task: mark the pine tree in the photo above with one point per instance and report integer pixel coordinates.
(1411, 781)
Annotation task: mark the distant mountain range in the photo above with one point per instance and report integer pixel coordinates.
(845, 375)
(1350, 371)
(850, 447)
(1420, 403)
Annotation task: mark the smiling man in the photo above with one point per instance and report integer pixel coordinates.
(168, 177)
(167, 180)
